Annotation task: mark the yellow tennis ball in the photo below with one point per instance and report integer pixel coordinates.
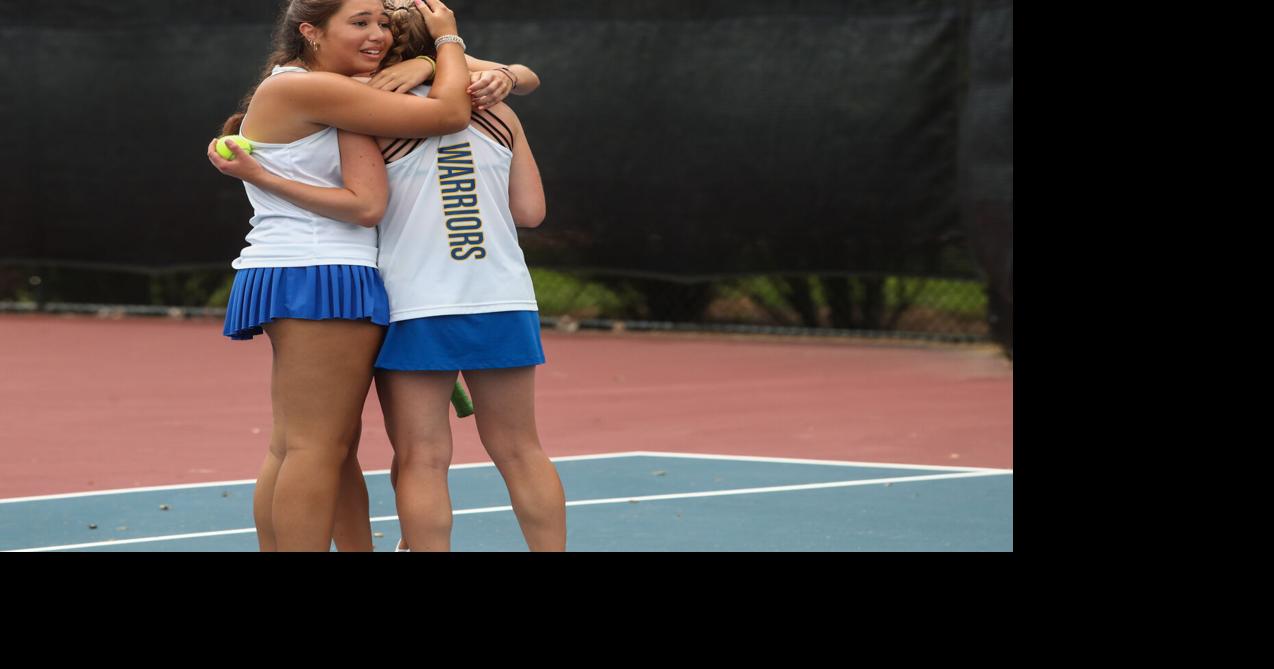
(238, 140)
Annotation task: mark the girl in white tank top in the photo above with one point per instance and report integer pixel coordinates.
(461, 299)
(307, 279)
(286, 235)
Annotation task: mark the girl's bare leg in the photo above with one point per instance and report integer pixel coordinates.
(323, 371)
(393, 483)
(415, 406)
(263, 494)
(353, 533)
(504, 403)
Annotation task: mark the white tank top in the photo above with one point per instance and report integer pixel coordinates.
(448, 244)
(285, 235)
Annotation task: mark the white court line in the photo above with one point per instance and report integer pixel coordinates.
(583, 502)
(185, 486)
(145, 540)
(565, 458)
(121, 491)
(806, 461)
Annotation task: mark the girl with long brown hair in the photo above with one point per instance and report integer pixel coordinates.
(461, 302)
(308, 280)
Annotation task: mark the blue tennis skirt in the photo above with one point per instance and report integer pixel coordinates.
(474, 341)
(317, 293)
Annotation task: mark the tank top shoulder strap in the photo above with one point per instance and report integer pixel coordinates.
(281, 69)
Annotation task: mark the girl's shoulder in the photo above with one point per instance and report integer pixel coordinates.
(303, 82)
(499, 123)
(506, 116)
(503, 111)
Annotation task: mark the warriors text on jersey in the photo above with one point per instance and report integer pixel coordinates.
(448, 244)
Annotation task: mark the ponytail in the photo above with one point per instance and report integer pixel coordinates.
(288, 45)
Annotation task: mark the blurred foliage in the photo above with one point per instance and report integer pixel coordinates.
(882, 303)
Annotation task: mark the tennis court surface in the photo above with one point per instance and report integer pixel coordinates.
(145, 434)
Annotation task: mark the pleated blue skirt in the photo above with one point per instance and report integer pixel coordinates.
(320, 292)
(476, 341)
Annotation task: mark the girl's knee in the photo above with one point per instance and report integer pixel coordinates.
(354, 441)
(513, 451)
(422, 456)
(336, 450)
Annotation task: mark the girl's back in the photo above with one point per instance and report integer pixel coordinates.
(448, 241)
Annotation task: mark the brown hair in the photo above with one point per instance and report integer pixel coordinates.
(411, 35)
(288, 45)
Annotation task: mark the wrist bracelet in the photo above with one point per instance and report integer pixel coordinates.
(512, 77)
(431, 61)
(447, 39)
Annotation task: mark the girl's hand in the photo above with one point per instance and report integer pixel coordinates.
(438, 18)
(243, 167)
(404, 76)
(489, 88)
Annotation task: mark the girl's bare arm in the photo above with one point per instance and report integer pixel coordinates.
(526, 190)
(527, 79)
(361, 201)
(329, 99)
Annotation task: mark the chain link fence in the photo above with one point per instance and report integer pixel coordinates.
(872, 305)
(867, 305)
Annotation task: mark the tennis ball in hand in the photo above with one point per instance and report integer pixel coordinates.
(224, 150)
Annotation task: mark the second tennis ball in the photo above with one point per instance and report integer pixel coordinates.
(224, 150)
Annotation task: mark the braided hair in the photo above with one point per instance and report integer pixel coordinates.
(411, 35)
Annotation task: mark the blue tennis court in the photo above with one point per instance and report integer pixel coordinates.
(634, 501)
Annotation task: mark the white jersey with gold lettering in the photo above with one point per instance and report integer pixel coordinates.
(448, 244)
